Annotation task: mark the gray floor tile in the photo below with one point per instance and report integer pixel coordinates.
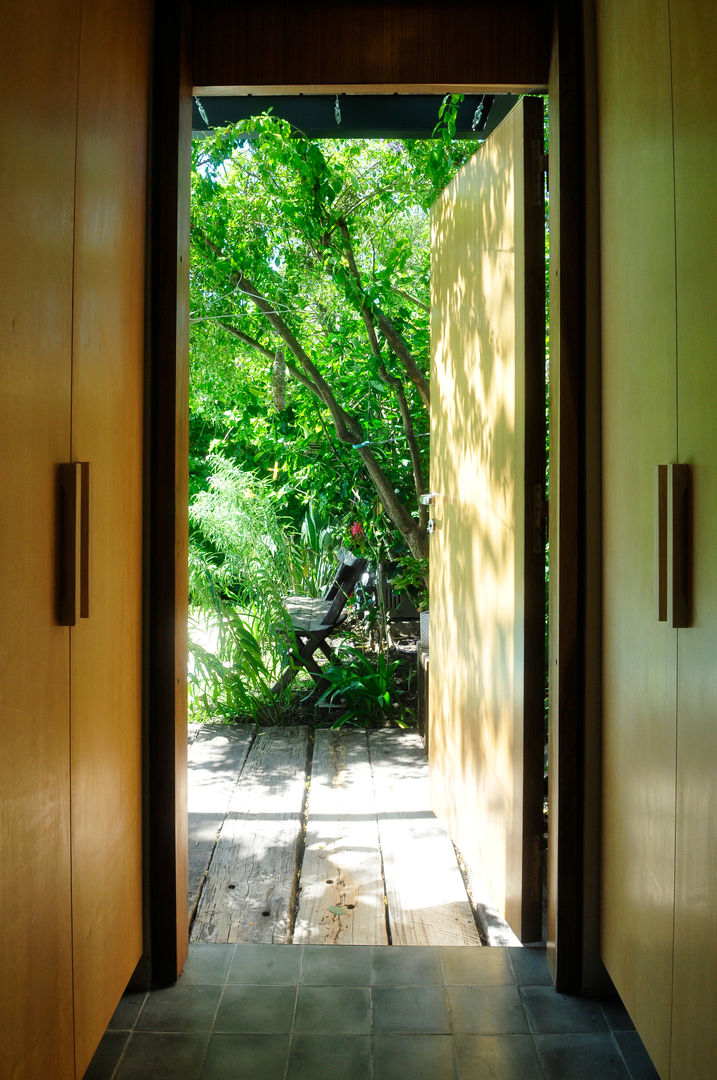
(180, 1008)
(107, 1055)
(333, 1010)
(406, 965)
(246, 1057)
(126, 1013)
(617, 1016)
(342, 1057)
(636, 1056)
(261, 1009)
(497, 1057)
(550, 1013)
(413, 1057)
(342, 965)
(207, 965)
(530, 965)
(405, 1009)
(476, 966)
(506, 1019)
(487, 1010)
(256, 964)
(589, 1057)
(165, 1056)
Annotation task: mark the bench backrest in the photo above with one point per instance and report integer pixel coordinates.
(347, 574)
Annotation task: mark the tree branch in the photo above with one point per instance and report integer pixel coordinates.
(389, 331)
(390, 380)
(411, 298)
(413, 533)
(252, 342)
(404, 354)
(348, 429)
(296, 373)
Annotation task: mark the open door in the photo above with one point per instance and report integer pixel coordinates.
(487, 593)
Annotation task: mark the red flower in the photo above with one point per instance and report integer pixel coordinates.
(356, 530)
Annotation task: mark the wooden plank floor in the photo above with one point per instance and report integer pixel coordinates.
(250, 886)
(424, 888)
(341, 897)
(217, 753)
(328, 840)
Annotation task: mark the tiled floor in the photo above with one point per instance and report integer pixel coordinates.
(292, 1012)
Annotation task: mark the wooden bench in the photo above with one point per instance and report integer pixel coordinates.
(313, 618)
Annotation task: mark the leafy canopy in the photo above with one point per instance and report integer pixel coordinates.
(309, 308)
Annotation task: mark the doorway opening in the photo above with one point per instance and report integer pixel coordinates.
(278, 315)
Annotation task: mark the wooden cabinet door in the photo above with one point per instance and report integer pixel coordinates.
(38, 89)
(107, 402)
(693, 29)
(487, 566)
(659, 326)
(74, 80)
(639, 432)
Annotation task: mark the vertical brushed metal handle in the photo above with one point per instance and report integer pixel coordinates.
(70, 528)
(85, 548)
(679, 563)
(661, 542)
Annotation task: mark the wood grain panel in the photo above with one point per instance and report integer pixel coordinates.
(639, 431)
(486, 691)
(324, 43)
(108, 432)
(38, 84)
(693, 29)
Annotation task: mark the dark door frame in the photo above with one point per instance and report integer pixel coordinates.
(167, 446)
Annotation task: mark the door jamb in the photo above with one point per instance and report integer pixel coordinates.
(167, 498)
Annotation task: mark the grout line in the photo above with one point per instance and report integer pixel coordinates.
(538, 1058)
(452, 1028)
(620, 1055)
(290, 1040)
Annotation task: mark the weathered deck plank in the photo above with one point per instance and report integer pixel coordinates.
(248, 893)
(427, 901)
(216, 757)
(342, 897)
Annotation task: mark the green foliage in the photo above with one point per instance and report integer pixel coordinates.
(333, 235)
(366, 689)
(234, 677)
(239, 566)
(314, 555)
(412, 577)
(243, 558)
(238, 543)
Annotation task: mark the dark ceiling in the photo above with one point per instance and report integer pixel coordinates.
(373, 116)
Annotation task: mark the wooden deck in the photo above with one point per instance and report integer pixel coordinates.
(325, 840)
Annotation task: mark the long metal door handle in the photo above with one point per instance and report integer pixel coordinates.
(661, 542)
(679, 563)
(85, 549)
(68, 601)
(74, 557)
